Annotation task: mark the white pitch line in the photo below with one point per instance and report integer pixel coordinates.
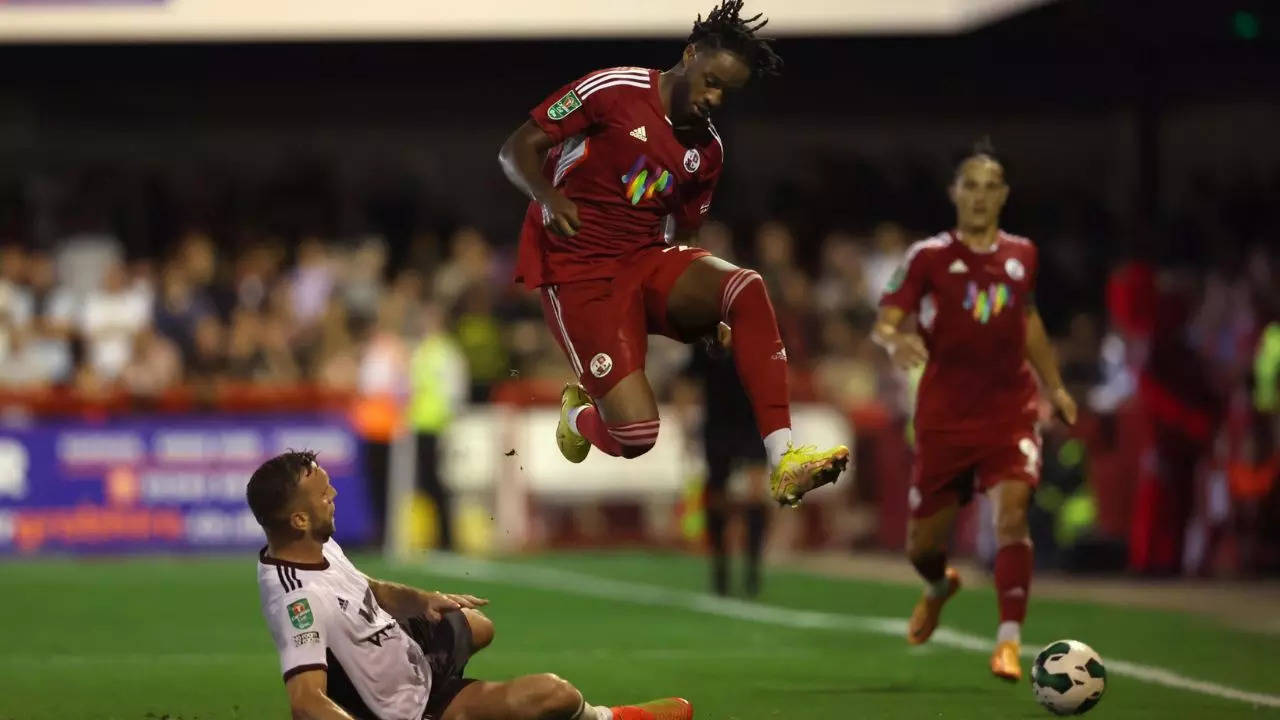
(565, 581)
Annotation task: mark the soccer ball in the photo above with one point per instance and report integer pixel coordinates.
(1068, 677)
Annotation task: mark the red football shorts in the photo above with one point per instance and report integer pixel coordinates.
(603, 326)
(949, 468)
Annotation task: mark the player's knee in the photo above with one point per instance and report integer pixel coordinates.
(1011, 527)
(741, 283)
(923, 544)
(481, 629)
(553, 698)
(635, 438)
(925, 556)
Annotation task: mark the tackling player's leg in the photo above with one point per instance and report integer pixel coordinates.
(549, 697)
(710, 290)
(1012, 572)
(927, 549)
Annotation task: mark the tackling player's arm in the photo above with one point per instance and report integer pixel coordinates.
(1041, 356)
(308, 699)
(906, 349)
(404, 602)
(521, 158)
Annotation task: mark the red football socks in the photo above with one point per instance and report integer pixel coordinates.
(757, 349)
(1013, 581)
(629, 440)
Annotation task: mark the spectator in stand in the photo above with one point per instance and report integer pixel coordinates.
(154, 367)
(180, 307)
(470, 263)
(112, 318)
(889, 247)
(311, 283)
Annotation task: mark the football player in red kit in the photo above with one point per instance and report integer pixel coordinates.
(620, 166)
(972, 292)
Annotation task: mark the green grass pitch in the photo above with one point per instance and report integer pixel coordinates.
(148, 638)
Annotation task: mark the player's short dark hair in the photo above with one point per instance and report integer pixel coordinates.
(271, 486)
(726, 29)
(983, 148)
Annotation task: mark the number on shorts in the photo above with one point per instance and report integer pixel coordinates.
(1031, 450)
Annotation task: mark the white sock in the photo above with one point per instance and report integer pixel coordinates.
(573, 419)
(775, 444)
(593, 712)
(938, 588)
(1009, 631)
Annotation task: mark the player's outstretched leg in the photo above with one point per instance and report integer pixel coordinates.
(1013, 573)
(927, 549)
(711, 290)
(549, 697)
(630, 431)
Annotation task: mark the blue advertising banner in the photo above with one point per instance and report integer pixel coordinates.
(163, 483)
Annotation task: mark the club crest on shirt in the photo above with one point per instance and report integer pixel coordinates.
(561, 108)
(300, 614)
(692, 160)
(1013, 267)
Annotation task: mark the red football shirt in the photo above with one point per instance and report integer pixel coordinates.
(971, 308)
(619, 160)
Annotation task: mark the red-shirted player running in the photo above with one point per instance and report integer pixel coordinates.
(615, 163)
(972, 292)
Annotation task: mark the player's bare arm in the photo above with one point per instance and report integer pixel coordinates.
(1041, 356)
(906, 349)
(404, 602)
(307, 698)
(521, 158)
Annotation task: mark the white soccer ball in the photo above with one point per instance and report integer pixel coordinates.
(1068, 677)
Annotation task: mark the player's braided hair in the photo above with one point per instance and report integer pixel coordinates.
(726, 29)
(272, 485)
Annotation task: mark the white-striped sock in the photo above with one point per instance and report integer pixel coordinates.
(573, 419)
(1009, 631)
(593, 712)
(775, 444)
(938, 588)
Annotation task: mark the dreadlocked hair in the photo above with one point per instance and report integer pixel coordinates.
(726, 29)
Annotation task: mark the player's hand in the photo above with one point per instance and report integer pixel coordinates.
(560, 215)
(1065, 405)
(436, 604)
(907, 351)
(467, 601)
(724, 336)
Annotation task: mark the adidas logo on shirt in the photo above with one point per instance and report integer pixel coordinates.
(640, 134)
(957, 267)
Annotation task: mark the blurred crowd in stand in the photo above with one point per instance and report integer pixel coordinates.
(1174, 355)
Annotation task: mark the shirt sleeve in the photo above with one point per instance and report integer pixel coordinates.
(297, 625)
(907, 284)
(570, 111)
